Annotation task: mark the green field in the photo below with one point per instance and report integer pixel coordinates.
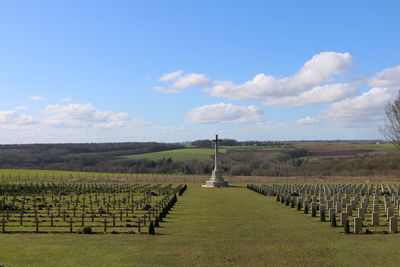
(211, 227)
(179, 154)
(253, 148)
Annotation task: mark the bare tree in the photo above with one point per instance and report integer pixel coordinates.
(391, 129)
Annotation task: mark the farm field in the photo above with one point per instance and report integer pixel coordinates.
(317, 148)
(339, 146)
(179, 154)
(211, 227)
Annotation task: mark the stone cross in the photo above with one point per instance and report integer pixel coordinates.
(216, 152)
(216, 176)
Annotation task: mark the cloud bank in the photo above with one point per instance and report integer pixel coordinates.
(224, 113)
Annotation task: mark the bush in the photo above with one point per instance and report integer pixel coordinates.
(87, 230)
(146, 207)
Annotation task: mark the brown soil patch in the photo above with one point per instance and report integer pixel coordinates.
(330, 150)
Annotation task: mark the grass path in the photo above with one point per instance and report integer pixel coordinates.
(211, 227)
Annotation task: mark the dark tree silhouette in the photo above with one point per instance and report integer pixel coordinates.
(391, 129)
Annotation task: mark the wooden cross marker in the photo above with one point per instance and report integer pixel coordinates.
(92, 213)
(37, 224)
(105, 224)
(3, 224)
(21, 216)
(71, 225)
(127, 211)
(74, 209)
(83, 219)
(64, 213)
(52, 220)
(139, 222)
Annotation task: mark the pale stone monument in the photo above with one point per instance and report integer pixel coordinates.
(216, 176)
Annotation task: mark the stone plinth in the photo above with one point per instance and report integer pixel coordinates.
(211, 183)
(216, 180)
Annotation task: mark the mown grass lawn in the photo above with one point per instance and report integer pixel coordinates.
(211, 227)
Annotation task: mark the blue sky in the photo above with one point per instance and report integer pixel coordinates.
(110, 71)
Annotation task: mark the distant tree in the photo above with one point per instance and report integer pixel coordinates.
(391, 128)
(202, 143)
(229, 142)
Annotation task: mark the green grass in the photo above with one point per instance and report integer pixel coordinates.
(254, 148)
(178, 154)
(211, 227)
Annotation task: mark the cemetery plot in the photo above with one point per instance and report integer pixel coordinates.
(358, 208)
(87, 208)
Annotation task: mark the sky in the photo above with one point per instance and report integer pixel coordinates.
(174, 71)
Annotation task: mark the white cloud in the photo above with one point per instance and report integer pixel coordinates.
(22, 108)
(368, 107)
(172, 76)
(191, 80)
(307, 121)
(363, 109)
(224, 113)
(171, 128)
(319, 94)
(318, 70)
(36, 98)
(389, 77)
(66, 99)
(137, 123)
(83, 115)
(12, 119)
(166, 90)
(178, 81)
